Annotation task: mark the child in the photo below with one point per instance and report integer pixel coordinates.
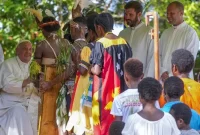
(128, 102)
(150, 120)
(182, 114)
(116, 128)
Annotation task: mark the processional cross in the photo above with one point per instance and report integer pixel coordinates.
(155, 36)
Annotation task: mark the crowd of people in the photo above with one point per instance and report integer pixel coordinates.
(108, 79)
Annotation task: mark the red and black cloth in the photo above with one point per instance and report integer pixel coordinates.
(110, 55)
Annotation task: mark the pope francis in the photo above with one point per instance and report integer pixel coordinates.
(18, 96)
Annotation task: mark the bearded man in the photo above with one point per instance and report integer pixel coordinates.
(137, 35)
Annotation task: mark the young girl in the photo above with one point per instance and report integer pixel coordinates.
(150, 120)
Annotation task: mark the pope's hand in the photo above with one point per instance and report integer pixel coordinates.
(44, 86)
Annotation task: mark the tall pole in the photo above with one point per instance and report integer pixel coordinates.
(154, 35)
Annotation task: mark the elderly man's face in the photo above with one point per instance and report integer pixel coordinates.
(24, 52)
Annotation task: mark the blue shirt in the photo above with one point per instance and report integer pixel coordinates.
(195, 120)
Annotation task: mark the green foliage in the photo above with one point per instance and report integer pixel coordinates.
(63, 58)
(35, 69)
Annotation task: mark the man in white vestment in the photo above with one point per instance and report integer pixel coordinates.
(1, 55)
(137, 35)
(180, 35)
(16, 92)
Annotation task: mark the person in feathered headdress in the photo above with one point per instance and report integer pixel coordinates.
(77, 9)
(53, 54)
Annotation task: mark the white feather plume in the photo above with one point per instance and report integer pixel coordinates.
(83, 3)
(49, 13)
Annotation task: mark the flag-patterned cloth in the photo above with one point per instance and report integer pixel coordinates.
(110, 55)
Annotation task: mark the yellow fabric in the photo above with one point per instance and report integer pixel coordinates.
(114, 94)
(95, 109)
(110, 42)
(47, 118)
(191, 96)
(81, 116)
(85, 54)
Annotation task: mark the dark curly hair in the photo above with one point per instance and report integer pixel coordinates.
(52, 26)
(135, 5)
(90, 21)
(149, 89)
(105, 20)
(183, 59)
(116, 128)
(181, 111)
(174, 87)
(133, 67)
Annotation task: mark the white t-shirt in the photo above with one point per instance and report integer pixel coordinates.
(136, 125)
(127, 103)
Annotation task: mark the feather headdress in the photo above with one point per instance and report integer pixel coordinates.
(82, 3)
(79, 5)
(36, 13)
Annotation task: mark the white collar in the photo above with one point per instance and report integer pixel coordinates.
(22, 64)
(180, 25)
(138, 26)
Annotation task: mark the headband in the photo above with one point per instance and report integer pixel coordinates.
(52, 23)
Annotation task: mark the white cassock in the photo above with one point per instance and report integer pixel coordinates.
(180, 37)
(18, 107)
(142, 45)
(1, 55)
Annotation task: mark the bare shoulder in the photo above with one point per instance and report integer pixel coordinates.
(39, 49)
(40, 44)
(78, 45)
(65, 42)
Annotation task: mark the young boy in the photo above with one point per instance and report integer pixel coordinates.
(128, 102)
(182, 114)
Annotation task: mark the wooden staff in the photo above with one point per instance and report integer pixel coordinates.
(155, 36)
